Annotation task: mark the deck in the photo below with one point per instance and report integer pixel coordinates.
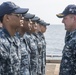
(52, 68)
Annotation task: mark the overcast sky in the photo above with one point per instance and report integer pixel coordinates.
(45, 9)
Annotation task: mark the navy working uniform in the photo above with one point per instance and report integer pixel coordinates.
(10, 53)
(10, 56)
(41, 48)
(25, 55)
(34, 53)
(41, 45)
(68, 63)
(66, 36)
(41, 52)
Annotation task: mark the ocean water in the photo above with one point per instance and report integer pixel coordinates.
(55, 35)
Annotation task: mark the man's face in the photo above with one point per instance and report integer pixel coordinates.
(68, 22)
(25, 25)
(43, 28)
(38, 28)
(31, 27)
(14, 20)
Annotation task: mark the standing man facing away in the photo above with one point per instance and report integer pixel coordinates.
(68, 62)
(10, 55)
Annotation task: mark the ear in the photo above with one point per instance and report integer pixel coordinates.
(21, 23)
(7, 17)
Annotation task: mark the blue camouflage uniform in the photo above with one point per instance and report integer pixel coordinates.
(25, 55)
(34, 53)
(66, 36)
(39, 45)
(68, 62)
(10, 56)
(41, 52)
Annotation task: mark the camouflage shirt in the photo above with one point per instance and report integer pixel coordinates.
(42, 52)
(25, 55)
(34, 53)
(67, 36)
(68, 62)
(10, 56)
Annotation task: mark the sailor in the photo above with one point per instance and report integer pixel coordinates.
(10, 55)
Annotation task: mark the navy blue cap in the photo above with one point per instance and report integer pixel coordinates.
(70, 9)
(42, 22)
(28, 16)
(35, 19)
(9, 7)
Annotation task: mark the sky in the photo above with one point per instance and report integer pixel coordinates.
(44, 9)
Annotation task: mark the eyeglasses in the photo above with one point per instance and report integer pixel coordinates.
(18, 15)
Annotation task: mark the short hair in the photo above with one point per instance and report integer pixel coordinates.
(1, 18)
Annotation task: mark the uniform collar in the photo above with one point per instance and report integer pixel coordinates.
(6, 32)
(71, 34)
